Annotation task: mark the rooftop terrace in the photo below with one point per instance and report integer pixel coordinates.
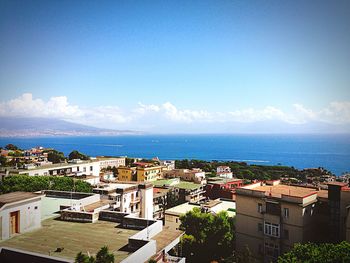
(73, 238)
(280, 189)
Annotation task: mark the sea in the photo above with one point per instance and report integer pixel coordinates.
(300, 151)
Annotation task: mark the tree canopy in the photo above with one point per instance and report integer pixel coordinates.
(12, 147)
(77, 155)
(252, 171)
(208, 236)
(102, 256)
(37, 183)
(55, 156)
(317, 253)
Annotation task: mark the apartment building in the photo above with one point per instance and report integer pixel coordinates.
(127, 173)
(218, 187)
(195, 175)
(110, 161)
(339, 207)
(224, 171)
(183, 191)
(168, 164)
(131, 198)
(140, 173)
(149, 174)
(271, 217)
(160, 201)
(74, 167)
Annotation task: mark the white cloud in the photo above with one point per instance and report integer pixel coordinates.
(59, 107)
(167, 114)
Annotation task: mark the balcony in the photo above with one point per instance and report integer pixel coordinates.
(135, 200)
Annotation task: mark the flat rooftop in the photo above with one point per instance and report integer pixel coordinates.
(113, 186)
(93, 206)
(73, 238)
(217, 205)
(181, 209)
(221, 180)
(278, 190)
(166, 237)
(16, 197)
(53, 166)
(165, 182)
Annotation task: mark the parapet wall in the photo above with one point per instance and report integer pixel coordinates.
(75, 216)
(112, 216)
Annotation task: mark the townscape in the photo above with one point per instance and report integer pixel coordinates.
(61, 209)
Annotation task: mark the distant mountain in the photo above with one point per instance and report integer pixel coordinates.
(24, 127)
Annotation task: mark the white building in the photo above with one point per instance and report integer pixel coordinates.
(73, 168)
(112, 161)
(131, 198)
(169, 164)
(224, 171)
(19, 212)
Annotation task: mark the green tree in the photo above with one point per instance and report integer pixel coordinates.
(3, 160)
(102, 256)
(77, 155)
(317, 253)
(37, 183)
(208, 236)
(16, 153)
(55, 156)
(82, 258)
(12, 147)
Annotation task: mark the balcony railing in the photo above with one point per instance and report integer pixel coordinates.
(135, 200)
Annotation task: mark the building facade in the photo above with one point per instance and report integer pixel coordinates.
(19, 212)
(272, 217)
(218, 187)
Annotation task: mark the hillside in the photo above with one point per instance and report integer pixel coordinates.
(24, 127)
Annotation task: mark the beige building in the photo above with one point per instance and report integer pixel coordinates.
(195, 175)
(271, 217)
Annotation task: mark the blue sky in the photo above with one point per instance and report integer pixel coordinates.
(283, 61)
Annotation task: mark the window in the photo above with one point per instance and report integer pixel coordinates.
(260, 227)
(272, 229)
(35, 207)
(177, 220)
(286, 212)
(91, 168)
(259, 207)
(271, 250)
(286, 234)
(84, 169)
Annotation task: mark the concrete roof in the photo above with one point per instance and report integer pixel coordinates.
(278, 190)
(218, 205)
(73, 237)
(181, 209)
(16, 197)
(166, 237)
(53, 166)
(221, 180)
